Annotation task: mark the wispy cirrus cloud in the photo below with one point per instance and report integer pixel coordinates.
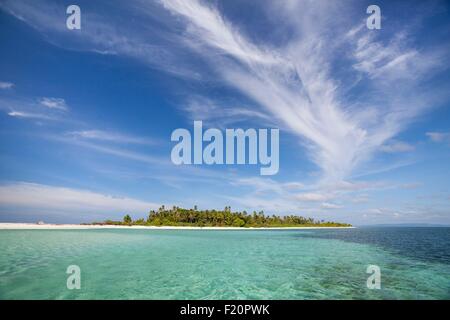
(294, 84)
(29, 115)
(54, 103)
(394, 60)
(111, 136)
(33, 109)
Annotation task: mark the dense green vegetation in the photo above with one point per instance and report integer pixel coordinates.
(221, 218)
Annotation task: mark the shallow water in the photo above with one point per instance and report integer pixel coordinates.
(210, 264)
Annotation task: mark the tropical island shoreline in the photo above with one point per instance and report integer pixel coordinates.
(181, 218)
(50, 226)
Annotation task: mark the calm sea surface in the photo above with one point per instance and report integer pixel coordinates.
(204, 264)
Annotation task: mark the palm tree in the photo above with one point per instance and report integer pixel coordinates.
(127, 219)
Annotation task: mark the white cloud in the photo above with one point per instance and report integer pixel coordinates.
(29, 115)
(6, 85)
(44, 197)
(110, 136)
(30, 109)
(54, 103)
(259, 184)
(313, 196)
(328, 205)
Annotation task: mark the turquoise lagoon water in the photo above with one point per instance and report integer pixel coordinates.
(210, 264)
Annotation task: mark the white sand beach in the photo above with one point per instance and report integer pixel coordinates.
(35, 226)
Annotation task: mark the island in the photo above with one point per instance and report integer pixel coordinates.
(180, 217)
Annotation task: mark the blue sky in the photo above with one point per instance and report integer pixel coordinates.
(86, 115)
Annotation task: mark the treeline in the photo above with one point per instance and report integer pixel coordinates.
(177, 216)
